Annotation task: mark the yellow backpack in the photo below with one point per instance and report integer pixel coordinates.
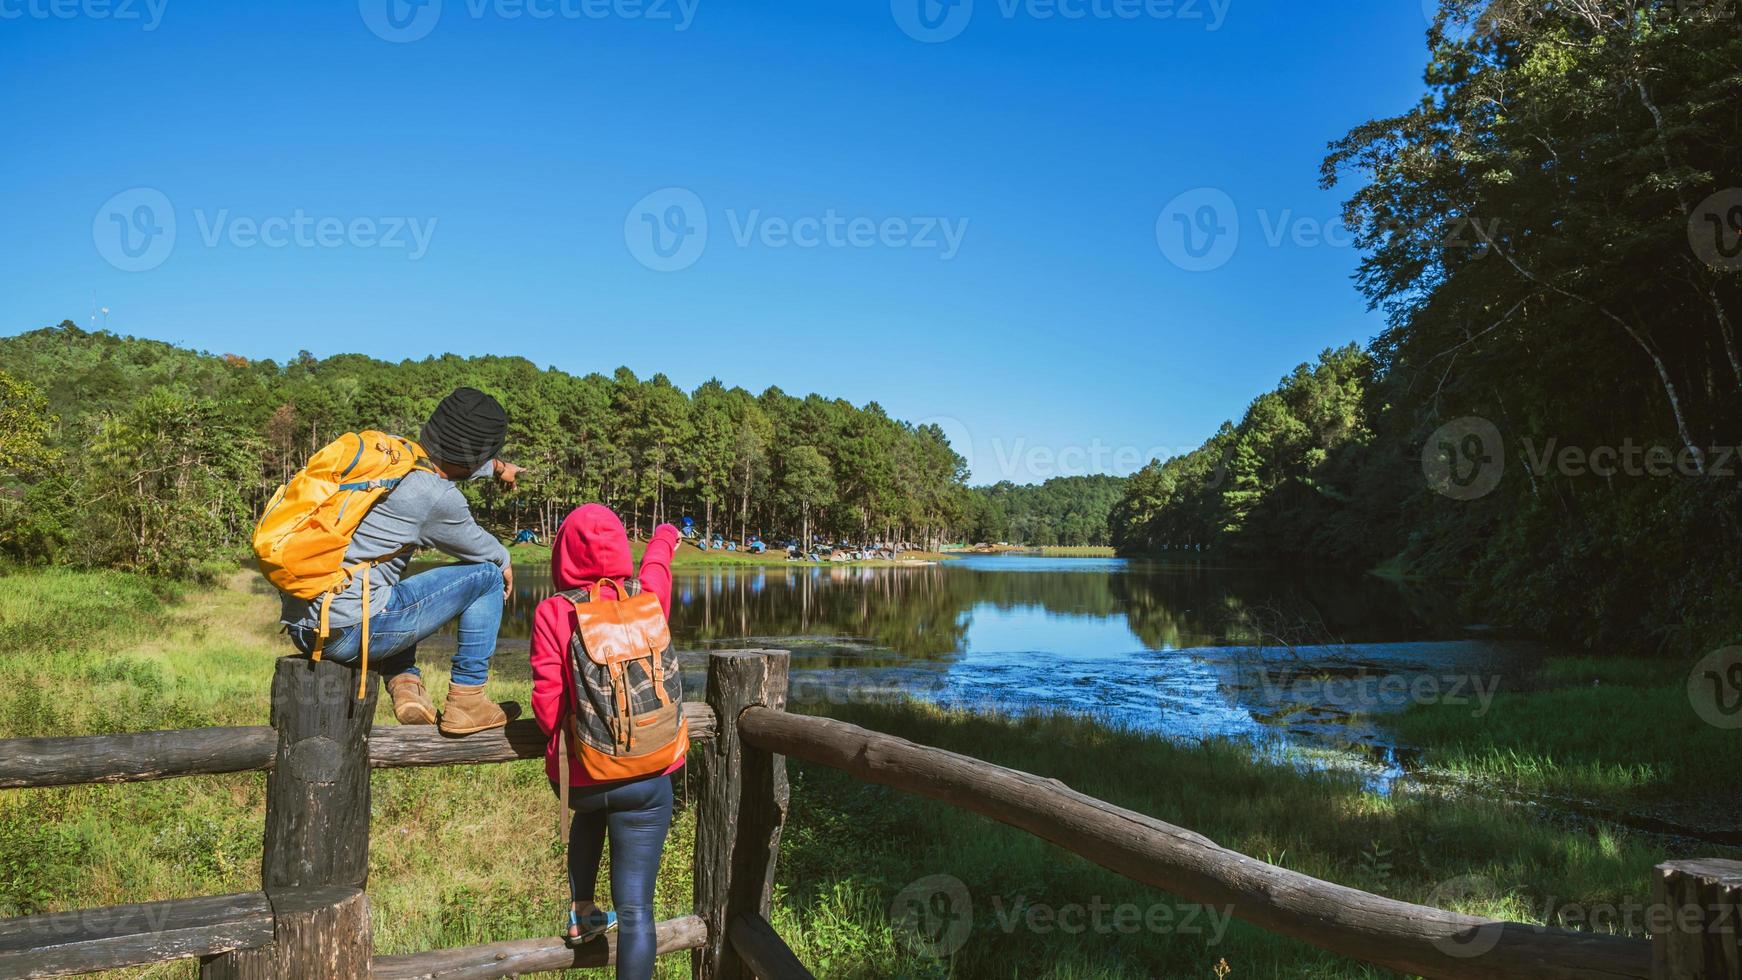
(301, 538)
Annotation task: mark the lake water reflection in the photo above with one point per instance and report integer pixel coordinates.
(1306, 659)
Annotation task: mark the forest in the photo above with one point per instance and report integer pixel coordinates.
(136, 454)
(1551, 235)
(1065, 510)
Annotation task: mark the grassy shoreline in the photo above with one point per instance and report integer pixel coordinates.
(102, 652)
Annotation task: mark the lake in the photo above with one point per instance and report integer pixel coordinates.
(1291, 661)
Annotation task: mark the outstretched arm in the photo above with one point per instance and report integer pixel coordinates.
(656, 565)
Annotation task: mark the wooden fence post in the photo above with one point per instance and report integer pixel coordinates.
(315, 857)
(317, 798)
(741, 808)
(1695, 932)
(316, 932)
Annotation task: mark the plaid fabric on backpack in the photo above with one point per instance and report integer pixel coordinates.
(626, 719)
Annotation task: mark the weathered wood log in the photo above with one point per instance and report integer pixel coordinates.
(1697, 920)
(317, 798)
(521, 956)
(763, 951)
(423, 745)
(86, 940)
(762, 804)
(1409, 938)
(317, 932)
(737, 680)
(139, 756)
(134, 757)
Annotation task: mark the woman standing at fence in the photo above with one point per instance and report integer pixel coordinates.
(596, 732)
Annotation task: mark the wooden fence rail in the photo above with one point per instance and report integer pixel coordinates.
(140, 756)
(312, 917)
(1410, 938)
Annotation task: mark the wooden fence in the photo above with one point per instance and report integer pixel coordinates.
(311, 916)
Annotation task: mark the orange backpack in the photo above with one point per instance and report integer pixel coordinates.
(626, 718)
(301, 538)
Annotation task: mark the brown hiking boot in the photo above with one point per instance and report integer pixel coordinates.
(411, 703)
(468, 711)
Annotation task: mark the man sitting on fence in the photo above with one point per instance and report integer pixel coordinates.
(421, 509)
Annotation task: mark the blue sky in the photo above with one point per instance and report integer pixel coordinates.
(973, 214)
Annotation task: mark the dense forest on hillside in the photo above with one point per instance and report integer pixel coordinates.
(137, 454)
(1551, 412)
(1065, 510)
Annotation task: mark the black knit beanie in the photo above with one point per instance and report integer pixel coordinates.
(466, 429)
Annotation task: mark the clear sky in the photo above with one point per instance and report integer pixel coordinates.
(973, 213)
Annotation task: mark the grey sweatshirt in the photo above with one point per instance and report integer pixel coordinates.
(424, 510)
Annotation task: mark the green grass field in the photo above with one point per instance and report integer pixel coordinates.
(1599, 728)
(469, 854)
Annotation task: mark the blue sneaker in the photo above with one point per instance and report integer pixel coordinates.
(584, 928)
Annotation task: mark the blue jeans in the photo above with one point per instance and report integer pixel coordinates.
(637, 815)
(418, 606)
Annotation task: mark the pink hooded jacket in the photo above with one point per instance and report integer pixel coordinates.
(590, 545)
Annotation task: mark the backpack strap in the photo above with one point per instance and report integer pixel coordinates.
(326, 605)
(562, 792)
